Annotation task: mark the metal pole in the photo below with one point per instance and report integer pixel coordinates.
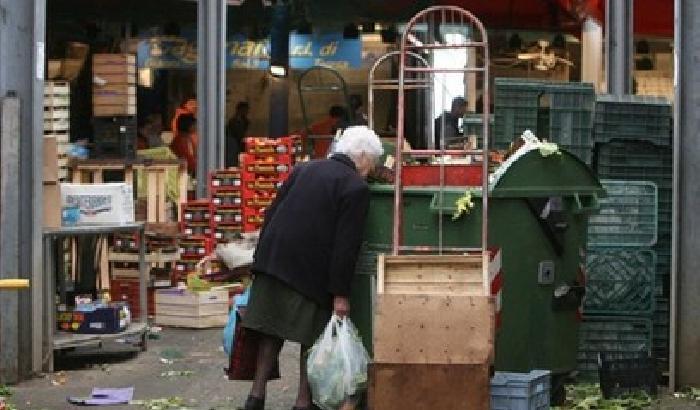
(685, 265)
(22, 59)
(279, 87)
(619, 41)
(211, 88)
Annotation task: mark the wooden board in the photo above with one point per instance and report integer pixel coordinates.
(50, 160)
(114, 59)
(109, 110)
(432, 329)
(113, 99)
(192, 322)
(430, 275)
(117, 89)
(193, 311)
(173, 297)
(423, 387)
(117, 78)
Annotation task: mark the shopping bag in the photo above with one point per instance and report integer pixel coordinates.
(244, 353)
(230, 328)
(337, 365)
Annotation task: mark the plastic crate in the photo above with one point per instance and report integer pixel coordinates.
(619, 376)
(619, 281)
(227, 199)
(633, 117)
(628, 215)
(521, 391)
(269, 146)
(558, 112)
(227, 216)
(227, 232)
(225, 179)
(617, 337)
(196, 211)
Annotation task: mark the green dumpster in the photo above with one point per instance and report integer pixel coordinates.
(538, 214)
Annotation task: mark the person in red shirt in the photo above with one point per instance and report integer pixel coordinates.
(184, 144)
(189, 107)
(326, 127)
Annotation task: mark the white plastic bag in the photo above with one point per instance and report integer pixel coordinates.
(337, 365)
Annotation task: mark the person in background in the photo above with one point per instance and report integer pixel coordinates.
(329, 124)
(359, 116)
(236, 130)
(306, 254)
(449, 121)
(149, 131)
(188, 107)
(184, 145)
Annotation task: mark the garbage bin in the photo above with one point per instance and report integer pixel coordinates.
(538, 214)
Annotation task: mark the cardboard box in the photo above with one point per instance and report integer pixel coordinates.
(50, 159)
(113, 110)
(71, 68)
(100, 204)
(52, 207)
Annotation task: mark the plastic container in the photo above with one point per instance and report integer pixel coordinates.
(628, 215)
(616, 337)
(623, 376)
(620, 281)
(521, 391)
(633, 117)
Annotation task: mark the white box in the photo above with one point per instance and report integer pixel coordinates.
(100, 204)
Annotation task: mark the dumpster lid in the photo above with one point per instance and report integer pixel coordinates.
(532, 174)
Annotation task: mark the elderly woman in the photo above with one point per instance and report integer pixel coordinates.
(306, 255)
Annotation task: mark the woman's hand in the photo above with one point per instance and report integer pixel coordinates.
(341, 306)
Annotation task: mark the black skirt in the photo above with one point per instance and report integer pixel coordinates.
(277, 310)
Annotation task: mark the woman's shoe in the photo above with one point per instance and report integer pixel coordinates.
(253, 403)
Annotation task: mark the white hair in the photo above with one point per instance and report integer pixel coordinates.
(358, 140)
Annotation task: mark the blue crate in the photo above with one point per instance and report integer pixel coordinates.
(521, 391)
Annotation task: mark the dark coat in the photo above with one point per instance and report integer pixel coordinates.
(313, 230)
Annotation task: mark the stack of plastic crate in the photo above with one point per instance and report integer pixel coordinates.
(620, 273)
(226, 197)
(265, 166)
(557, 112)
(633, 137)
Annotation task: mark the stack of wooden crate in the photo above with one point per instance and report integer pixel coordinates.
(433, 333)
(114, 105)
(114, 85)
(57, 125)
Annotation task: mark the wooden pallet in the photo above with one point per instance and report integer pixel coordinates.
(421, 387)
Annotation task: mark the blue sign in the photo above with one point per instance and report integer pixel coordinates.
(305, 51)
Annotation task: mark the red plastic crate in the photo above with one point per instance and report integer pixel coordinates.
(195, 247)
(227, 232)
(247, 227)
(258, 199)
(196, 228)
(269, 146)
(429, 175)
(225, 178)
(227, 216)
(253, 216)
(122, 290)
(227, 199)
(196, 211)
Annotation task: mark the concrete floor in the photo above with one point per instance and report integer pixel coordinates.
(207, 389)
(201, 353)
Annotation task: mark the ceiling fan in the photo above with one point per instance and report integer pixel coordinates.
(542, 59)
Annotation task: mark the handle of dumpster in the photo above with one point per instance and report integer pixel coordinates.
(587, 203)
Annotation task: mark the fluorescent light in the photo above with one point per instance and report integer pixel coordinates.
(278, 70)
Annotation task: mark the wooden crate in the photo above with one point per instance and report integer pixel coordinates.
(434, 329)
(114, 59)
(456, 275)
(113, 110)
(421, 387)
(191, 309)
(117, 78)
